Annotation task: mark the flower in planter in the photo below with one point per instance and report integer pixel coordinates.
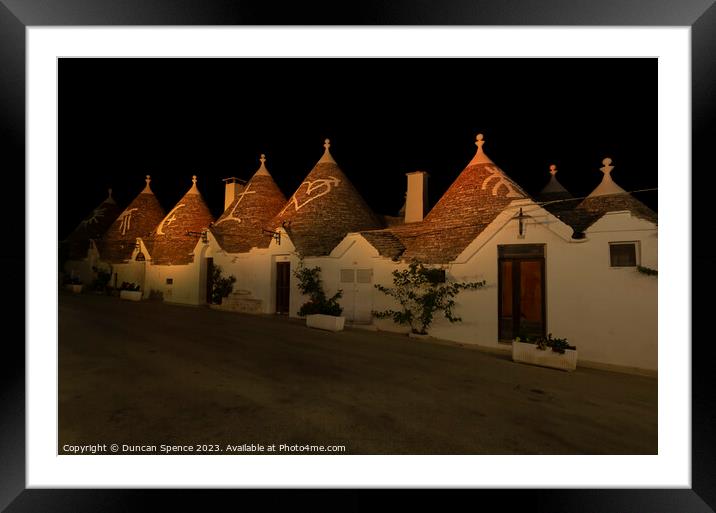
(558, 345)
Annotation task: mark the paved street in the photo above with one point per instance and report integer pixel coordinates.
(153, 373)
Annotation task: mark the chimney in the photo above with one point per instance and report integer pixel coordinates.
(234, 186)
(416, 200)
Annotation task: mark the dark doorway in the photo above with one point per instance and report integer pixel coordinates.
(283, 287)
(521, 289)
(209, 284)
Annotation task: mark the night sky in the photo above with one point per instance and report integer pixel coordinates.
(120, 119)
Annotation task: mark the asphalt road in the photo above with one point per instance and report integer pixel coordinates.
(152, 373)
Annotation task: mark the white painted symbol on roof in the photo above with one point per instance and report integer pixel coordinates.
(231, 216)
(501, 180)
(169, 219)
(327, 184)
(126, 220)
(94, 217)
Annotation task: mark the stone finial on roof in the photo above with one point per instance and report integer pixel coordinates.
(608, 186)
(193, 189)
(327, 157)
(262, 168)
(607, 166)
(480, 157)
(147, 179)
(109, 199)
(554, 189)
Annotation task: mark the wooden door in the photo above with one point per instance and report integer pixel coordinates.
(209, 285)
(521, 289)
(283, 287)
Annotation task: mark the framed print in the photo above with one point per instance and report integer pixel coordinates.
(239, 303)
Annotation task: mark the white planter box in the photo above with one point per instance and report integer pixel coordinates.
(130, 295)
(528, 353)
(418, 335)
(325, 322)
(74, 288)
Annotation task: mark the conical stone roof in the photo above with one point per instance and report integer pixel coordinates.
(476, 197)
(607, 197)
(324, 208)
(174, 238)
(137, 220)
(554, 190)
(555, 198)
(241, 226)
(91, 227)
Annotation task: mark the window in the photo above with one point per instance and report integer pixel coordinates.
(623, 254)
(347, 275)
(170, 281)
(364, 275)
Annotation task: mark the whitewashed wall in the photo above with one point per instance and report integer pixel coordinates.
(185, 287)
(255, 271)
(82, 269)
(610, 314)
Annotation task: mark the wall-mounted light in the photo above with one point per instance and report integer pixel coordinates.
(522, 224)
(275, 235)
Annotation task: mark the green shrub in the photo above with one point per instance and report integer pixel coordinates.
(221, 287)
(101, 282)
(421, 294)
(309, 283)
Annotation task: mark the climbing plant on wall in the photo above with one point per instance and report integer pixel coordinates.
(422, 293)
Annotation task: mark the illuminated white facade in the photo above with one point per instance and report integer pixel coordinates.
(563, 266)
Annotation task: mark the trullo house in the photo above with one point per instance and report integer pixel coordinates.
(552, 264)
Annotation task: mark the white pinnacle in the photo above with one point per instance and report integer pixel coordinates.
(480, 157)
(193, 189)
(262, 171)
(607, 186)
(147, 179)
(327, 157)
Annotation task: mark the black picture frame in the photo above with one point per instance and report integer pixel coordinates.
(17, 15)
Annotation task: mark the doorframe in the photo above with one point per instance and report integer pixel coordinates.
(516, 289)
(208, 269)
(275, 288)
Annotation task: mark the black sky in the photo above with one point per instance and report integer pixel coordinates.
(120, 119)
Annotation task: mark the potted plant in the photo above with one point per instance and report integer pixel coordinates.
(545, 352)
(130, 292)
(221, 286)
(321, 312)
(73, 284)
(422, 292)
(100, 285)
